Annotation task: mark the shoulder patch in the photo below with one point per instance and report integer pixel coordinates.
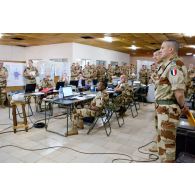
(179, 63)
(174, 71)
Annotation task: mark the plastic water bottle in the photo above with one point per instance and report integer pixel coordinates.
(60, 93)
(92, 87)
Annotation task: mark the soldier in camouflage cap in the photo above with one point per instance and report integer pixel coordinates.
(3, 84)
(170, 99)
(95, 109)
(30, 73)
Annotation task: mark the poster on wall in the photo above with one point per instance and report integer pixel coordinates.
(15, 73)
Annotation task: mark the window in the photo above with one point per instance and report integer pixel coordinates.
(98, 62)
(113, 63)
(85, 62)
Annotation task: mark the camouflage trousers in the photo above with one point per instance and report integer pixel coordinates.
(167, 119)
(2, 95)
(143, 80)
(79, 114)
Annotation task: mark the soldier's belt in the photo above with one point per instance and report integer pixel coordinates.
(166, 102)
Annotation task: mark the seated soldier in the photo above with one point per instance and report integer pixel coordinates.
(45, 83)
(126, 92)
(96, 106)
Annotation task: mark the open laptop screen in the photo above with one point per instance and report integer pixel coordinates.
(67, 91)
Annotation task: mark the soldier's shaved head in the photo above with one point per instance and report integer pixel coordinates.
(169, 49)
(173, 44)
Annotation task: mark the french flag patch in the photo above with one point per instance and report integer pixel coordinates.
(174, 72)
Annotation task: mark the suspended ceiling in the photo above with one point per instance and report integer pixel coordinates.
(147, 42)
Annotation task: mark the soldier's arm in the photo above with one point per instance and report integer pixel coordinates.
(177, 81)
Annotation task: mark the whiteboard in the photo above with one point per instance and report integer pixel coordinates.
(15, 73)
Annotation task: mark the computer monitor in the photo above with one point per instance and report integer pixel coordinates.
(59, 84)
(74, 83)
(67, 91)
(30, 88)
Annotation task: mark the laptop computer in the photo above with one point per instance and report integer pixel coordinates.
(59, 84)
(30, 88)
(67, 91)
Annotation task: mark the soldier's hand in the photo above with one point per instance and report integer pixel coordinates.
(185, 110)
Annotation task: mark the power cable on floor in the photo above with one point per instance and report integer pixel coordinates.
(128, 157)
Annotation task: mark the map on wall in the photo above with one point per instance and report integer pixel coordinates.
(15, 73)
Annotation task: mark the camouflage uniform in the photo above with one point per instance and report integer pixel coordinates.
(30, 78)
(75, 70)
(110, 73)
(78, 114)
(170, 77)
(117, 71)
(45, 83)
(3, 84)
(125, 97)
(87, 74)
(191, 89)
(143, 76)
(101, 73)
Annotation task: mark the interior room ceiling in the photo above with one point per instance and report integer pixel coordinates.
(146, 42)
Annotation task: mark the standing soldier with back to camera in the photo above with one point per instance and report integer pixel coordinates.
(3, 84)
(30, 73)
(170, 99)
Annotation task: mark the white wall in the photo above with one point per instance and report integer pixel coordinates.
(81, 51)
(72, 51)
(62, 50)
(12, 53)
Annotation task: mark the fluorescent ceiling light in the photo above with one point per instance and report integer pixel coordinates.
(133, 47)
(188, 54)
(194, 55)
(189, 34)
(108, 39)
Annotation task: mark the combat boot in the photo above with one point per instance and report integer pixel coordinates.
(73, 131)
(80, 124)
(153, 148)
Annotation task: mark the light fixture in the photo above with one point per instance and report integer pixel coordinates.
(189, 34)
(193, 55)
(188, 54)
(133, 47)
(108, 39)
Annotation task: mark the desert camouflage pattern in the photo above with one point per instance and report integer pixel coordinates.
(167, 120)
(110, 73)
(117, 71)
(75, 70)
(168, 113)
(144, 76)
(87, 74)
(99, 102)
(45, 83)
(29, 77)
(3, 84)
(191, 74)
(101, 72)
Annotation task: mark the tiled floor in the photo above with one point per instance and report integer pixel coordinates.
(134, 133)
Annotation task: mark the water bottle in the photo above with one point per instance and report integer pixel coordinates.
(92, 87)
(60, 93)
